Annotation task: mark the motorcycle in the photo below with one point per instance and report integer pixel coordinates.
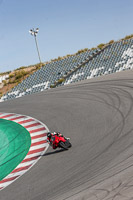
(61, 142)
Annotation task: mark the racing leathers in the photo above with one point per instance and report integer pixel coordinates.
(50, 139)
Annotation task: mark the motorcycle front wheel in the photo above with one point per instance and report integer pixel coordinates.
(62, 145)
(68, 144)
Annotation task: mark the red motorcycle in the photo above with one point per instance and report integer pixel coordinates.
(60, 141)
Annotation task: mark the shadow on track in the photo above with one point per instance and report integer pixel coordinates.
(53, 152)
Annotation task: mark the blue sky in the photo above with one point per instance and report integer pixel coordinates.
(65, 26)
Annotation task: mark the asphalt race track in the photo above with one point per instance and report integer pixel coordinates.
(97, 115)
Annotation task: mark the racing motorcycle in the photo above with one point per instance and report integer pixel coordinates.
(61, 142)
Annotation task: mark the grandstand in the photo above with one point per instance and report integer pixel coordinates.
(114, 57)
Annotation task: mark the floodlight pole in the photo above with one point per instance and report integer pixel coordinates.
(34, 33)
(37, 48)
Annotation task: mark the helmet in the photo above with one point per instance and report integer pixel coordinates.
(49, 135)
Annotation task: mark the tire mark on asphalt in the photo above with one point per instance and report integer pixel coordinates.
(129, 97)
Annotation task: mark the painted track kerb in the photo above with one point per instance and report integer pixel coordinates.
(38, 132)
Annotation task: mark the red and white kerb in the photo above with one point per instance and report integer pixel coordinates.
(38, 132)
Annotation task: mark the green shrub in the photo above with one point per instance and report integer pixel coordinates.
(93, 48)
(20, 74)
(59, 58)
(52, 86)
(4, 82)
(61, 80)
(82, 51)
(68, 55)
(128, 37)
(111, 41)
(100, 46)
(13, 81)
(23, 67)
(11, 75)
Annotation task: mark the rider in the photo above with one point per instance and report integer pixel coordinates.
(50, 135)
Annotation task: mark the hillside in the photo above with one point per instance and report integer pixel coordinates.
(15, 77)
